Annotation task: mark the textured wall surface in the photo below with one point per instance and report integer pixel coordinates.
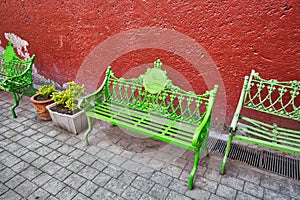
(237, 35)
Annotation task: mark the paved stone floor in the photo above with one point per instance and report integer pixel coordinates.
(40, 161)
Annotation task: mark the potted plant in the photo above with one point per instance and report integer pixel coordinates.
(64, 111)
(41, 99)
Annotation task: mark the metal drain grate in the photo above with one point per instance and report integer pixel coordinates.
(285, 166)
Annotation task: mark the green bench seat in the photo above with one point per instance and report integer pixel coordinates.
(152, 105)
(15, 75)
(271, 98)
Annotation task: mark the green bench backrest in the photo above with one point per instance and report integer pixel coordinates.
(272, 96)
(153, 92)
(11, 65)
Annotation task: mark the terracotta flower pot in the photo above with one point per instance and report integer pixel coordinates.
(40, 107)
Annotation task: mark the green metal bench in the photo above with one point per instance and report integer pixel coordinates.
(153, 106)
(15, 75)
(274, 98)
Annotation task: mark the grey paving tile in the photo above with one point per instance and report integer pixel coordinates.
(62, 174)
(3, 189)
(75, 181)
(88, 188)
(113, 171)
(132, 194)
(270, 183)
(143, 184)
(232, 182)
(213, 175)
(66, 193)
(75, 166)
(254, 190)
(39, 194)
(101, 179)
(76, 153)
(161, 178)
(29, 132)
(12, 147)
(215, 197)
(178, 186)
(250, 176)
(62, 137)
(6, 174)
(99, 165)
(198, 194)
(17, 138)
(10, 161)
(30, 156)
(72, 141)
(292, 188)
(55, 145)
(43, 150)
(53, 186)
(273, 195)
(64, 160)
(127, 177)
(87, 159)
(31, 172)
(14, 181)
(172, 170)
(156, 164)
(147, 197)
(142, 158)
(105, 155)
(4, 154)
(46, 140)
(93, 150)
(174, 195)
(116, 186)
(205, 184)
(53, 155)
(51, 168)
(41, 179)
(37, 136)
(80, 196)
(26, 188)
(20, 152)
(226, 192)
(11, 195)
(88, 172)
(160, 192)
(104, 194)
(20, 167)
(146, 172)
(117, 160)
(131, 166)
(65, 149)
(40, 162)
(53, 133)
(244, 196)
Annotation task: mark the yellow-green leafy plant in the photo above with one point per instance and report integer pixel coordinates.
(46, 91)
(68, 97)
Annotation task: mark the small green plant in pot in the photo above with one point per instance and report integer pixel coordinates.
(41, 99)
(64, 112)
(67, 100)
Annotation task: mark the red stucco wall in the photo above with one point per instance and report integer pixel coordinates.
(238, 36)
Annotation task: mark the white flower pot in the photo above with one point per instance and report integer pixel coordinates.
(72, 123)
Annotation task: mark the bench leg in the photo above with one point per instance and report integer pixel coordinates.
(17, 99)
(191, 179)
(226, 153)
(90, 127)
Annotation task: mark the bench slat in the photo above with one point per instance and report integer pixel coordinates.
(161, 128)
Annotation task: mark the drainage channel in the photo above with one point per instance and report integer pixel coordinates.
(285, 166)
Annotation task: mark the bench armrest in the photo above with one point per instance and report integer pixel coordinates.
(198, 138)
(89, 100)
